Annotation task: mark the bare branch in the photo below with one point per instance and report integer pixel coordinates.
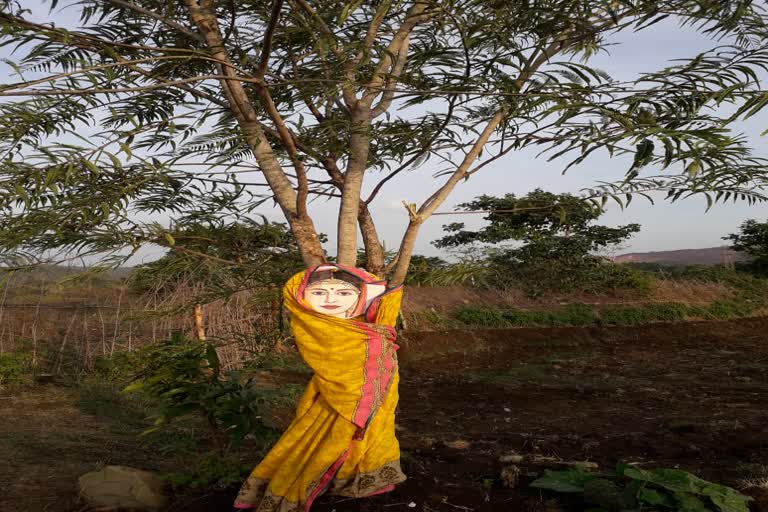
(268, 34)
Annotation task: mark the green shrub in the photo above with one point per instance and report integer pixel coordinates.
(481, 317)
(519, 318)
(631, 488)
(119, 367)
(15, 368)
(667, 312)
(729, 309)
(211, 470)
(183, 378)
(579, 314)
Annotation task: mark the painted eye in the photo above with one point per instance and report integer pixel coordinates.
(345, 293)
(317, 293)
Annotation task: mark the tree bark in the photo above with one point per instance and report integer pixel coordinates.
(374, 252)
(359, 145)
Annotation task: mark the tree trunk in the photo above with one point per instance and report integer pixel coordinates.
(374, 252)
(359, 144)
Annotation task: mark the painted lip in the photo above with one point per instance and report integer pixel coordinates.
(330, 307)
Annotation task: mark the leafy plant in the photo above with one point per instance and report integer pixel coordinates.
(183, 378)
(15, 368)
(629, 488)
(223, 257)
(752, 240)
(211, 470)
(559, 241)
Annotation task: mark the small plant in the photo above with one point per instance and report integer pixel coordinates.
(211, 470)
(633, 489)
(15, 368)
(182, 378)
(483, 317)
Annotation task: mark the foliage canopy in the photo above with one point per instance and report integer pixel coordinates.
(559, 241)
(203, 110)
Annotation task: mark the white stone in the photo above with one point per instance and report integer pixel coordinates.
(123, 487)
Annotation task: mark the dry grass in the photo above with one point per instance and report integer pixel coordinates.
(66, 329)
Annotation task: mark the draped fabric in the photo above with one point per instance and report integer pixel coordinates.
(342, 440)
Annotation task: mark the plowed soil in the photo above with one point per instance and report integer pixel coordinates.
(693, 396)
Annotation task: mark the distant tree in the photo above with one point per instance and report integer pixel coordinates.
(205, 109)
(752, 240)
(222, 258)
(558, 240)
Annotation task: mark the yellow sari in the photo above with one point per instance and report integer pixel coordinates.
(342, 440)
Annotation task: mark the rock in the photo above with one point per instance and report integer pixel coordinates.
(513, 457)
(122, 487)
(458, 444)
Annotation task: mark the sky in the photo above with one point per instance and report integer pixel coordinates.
(665, 226)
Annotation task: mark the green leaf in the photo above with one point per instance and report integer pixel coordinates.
(572, 480)
(134, 386)
(678, 481)
(727, 499)
(348, 10)
(690, 503)
(655, 498)
(125, 148)
(693, 168)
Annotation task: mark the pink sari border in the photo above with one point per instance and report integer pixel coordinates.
(375, 347)
(325, 480)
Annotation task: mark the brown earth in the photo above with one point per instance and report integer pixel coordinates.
(689, 395)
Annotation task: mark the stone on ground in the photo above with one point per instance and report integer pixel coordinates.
(123, 487)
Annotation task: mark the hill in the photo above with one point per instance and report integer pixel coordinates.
(709, 256)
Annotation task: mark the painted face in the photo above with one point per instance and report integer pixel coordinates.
(332, 298)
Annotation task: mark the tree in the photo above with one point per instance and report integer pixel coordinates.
(559, 240)
(222, 259)
(202, 110)
(752, 239)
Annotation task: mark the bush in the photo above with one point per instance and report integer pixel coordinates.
(632, 488)
(211, 470)
(579, 314)
(15, 368)
(183, 378)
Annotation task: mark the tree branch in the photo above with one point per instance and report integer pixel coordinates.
(414, 16)
(204, 17)
(162, 19)
(268, 34)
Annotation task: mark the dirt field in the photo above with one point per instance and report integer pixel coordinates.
(693, 396)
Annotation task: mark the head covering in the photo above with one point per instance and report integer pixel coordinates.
(335, 274)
